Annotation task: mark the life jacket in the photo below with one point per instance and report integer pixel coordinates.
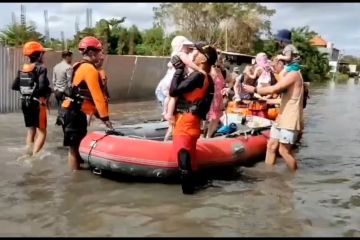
(29, 81)
(257, 105)
(197, 102)
(77, 94)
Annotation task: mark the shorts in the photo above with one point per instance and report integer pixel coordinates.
(284, 136)
(189, 144)
(35, 115)
(74, 127)
(293, 67)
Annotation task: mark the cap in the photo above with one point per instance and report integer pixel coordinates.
(187, 43)
(208, 51)
(283, 35)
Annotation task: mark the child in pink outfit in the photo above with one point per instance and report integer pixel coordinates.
(262, 72)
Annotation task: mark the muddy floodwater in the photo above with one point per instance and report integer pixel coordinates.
(42, 198)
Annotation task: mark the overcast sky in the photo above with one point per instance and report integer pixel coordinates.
(335, 22)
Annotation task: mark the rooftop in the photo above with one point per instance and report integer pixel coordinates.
(318, 41)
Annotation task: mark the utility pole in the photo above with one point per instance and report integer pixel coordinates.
(62, 41)
(47, 31)
(23, 15)
(90, 16)
(77, 28)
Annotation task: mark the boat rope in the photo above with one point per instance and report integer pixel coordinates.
(94, 142)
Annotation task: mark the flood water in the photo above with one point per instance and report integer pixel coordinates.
(322, 199)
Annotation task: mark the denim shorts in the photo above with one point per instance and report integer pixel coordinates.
(284, 135)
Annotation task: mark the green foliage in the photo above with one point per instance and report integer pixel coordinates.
(315, 64)
(339, 77)
(154, 43)
(271, 48)
(235, 25)
(16, 35)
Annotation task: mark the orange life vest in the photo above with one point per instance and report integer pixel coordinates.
(187, 122)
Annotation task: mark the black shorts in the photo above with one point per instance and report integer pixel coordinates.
(34, 115)
(74, 127)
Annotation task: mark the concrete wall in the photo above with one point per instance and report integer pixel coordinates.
(129, 77)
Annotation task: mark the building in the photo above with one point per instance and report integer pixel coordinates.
(326, 47)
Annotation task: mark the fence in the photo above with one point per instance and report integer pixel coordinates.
(129, 77)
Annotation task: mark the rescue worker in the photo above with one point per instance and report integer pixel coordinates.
(194, 95)
(84, 97)
(103, 77)
(61, 72)
(33, 84)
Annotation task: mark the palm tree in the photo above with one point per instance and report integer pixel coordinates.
(16, 35)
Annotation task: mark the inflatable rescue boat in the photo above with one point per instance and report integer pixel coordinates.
(139, 150)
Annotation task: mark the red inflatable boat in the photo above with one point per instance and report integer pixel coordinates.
(140, 151)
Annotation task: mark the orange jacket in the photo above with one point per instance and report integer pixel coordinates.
(89, 74)
(187, 123)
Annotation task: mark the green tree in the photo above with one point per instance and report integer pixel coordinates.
(233, 25)
(154, 43)
(135, 38)
(107, 31)
(16, 35)
(271, 48)
(315, 64)
(55, 44)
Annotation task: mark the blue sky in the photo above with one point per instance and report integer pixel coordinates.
(335, 22)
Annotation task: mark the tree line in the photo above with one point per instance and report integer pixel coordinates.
(235, 27)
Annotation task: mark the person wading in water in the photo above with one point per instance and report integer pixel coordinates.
(194, 95)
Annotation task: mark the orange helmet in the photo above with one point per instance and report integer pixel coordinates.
(90, 42)
(32, 47)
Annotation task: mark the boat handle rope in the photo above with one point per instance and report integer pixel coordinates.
(94, 142)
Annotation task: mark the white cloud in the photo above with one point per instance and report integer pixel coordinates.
(55, 18)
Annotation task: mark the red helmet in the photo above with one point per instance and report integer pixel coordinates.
(90, 42)
(32, 47)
